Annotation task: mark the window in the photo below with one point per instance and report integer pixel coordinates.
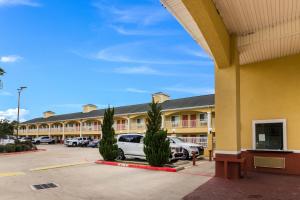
(136, 139)
(131, 138)
(175, 121)
(203, 117)
(269, 134)
(139, 122)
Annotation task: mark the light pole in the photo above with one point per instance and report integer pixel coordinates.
(18, 116)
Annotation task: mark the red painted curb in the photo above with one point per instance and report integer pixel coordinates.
(21, 152)
(167, 169)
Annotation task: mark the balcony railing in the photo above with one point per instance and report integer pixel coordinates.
(60, 129)
(120, 127)
(91, 128)
(186, 124)
(32, 131)
(72, 129)
(43, 130)
(22, 131)
(137, 126)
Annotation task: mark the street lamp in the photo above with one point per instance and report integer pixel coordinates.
(18, 116)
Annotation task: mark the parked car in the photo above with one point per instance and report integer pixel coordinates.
(188, 148)
(132, 146)
(8, 139)
(76, 141)
(25, 139)
(94, 143)
(43, 139)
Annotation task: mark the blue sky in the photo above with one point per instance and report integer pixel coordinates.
(104, 52)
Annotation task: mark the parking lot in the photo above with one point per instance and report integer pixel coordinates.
(77, 177)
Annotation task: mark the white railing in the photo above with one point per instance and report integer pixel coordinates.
(22, 131)
(43, 130)
(72, 129)
(136, 126)
(60, 129)
(32, 130)
(120, 127)
(186, 124)
(91, 128)
(197, 140)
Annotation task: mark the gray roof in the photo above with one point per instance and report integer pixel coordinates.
(195, 101)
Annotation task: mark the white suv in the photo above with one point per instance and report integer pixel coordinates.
(43, 139)
(188, 148)
(77, 141)
(132, 146)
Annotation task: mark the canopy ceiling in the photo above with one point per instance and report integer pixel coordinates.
(265, 29)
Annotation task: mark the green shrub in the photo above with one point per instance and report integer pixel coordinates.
(26, 147)
(28, 143)
(2, 148)
(157, 147)
(108, 147)
(10, 148)
(18, 147)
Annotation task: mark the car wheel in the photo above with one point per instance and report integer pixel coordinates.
(74, 144)
(186, 155)
(121, 155)
(37, 142)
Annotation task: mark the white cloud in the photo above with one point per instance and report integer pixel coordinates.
(19, 3)
(10, 58)
(11, 114)
(143, 53)
(136, 70)
(145, 70)
(139, 15)
(5, 93)
(144, 32)
(190, 90)
(135, 90)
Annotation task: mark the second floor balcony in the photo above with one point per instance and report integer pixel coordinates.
(137, 126)
(120, 127)
(186, 124)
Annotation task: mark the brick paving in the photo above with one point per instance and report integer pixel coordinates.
(259, 186)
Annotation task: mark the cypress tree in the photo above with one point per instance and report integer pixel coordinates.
(156, 145)
(108, 147)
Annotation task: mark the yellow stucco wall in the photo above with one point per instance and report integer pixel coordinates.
(271, 90)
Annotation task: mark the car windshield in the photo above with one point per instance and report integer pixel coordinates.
(177, 140)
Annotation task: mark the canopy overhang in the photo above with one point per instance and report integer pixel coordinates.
(264, 29)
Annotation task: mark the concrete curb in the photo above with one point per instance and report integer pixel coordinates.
(138, 166)
(21, 152)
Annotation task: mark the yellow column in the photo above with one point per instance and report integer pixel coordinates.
(227, 103)
(63, 131)
(128, 124)
(80, 128)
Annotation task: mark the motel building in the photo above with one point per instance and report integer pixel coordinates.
(255, 45)
(191, 119)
